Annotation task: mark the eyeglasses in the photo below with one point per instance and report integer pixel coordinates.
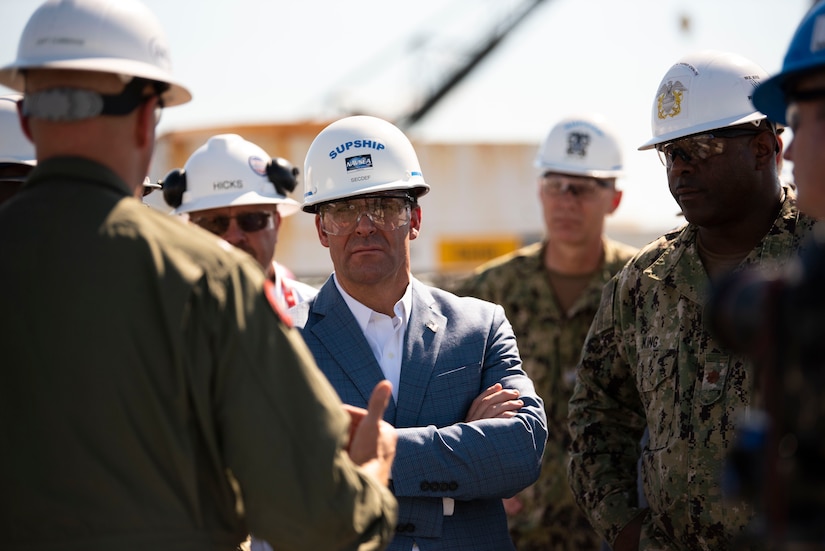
(249, 222)
(387, 213)
(554, 186)
(700, 146)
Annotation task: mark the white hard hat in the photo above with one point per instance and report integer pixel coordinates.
(704, 91)
(15, 147)
(581, 145)
(360, 155)
(228, 171)
(109, 36)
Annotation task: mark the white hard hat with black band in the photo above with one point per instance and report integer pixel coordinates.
(120, 37)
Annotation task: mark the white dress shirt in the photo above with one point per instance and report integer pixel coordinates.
(385, 336)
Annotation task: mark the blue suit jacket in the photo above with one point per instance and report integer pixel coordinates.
(455, 347)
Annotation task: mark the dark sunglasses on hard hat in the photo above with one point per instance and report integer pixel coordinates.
(249, 222)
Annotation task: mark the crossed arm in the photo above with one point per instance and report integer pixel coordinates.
(372, 440)
(495, 402)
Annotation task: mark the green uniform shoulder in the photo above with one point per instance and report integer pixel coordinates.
(646, 255)
(616, 254)
(191, 247)
(487, 280)
(526, 254)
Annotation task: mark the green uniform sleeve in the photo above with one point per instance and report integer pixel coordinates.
(606, 422)
(280, 431)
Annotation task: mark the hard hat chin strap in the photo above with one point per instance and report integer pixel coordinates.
(66, 104)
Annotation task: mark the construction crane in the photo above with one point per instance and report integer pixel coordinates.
(431, 63)
(488, 43)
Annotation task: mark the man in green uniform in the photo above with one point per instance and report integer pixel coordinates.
(152, 393)
(550, 291)
(649, 359)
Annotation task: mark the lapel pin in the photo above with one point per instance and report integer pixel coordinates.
(432, 326)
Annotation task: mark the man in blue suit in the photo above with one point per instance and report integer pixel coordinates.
(471, 428)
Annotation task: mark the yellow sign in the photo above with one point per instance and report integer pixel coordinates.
(467, 253)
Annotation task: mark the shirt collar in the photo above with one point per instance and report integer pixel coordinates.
(363, 313)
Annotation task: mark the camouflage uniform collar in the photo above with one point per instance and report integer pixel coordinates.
(678, 260)
(782, 239)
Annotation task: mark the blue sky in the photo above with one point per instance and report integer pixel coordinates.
(279, 61)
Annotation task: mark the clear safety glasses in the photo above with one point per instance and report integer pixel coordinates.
(554, 185)
(386, 212)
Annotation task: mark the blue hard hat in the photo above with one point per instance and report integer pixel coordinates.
(806, 52)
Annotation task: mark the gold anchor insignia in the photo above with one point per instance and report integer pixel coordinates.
(669, 99)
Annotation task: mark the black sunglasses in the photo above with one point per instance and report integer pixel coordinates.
(248, 222)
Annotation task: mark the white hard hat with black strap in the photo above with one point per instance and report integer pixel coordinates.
(120, 37)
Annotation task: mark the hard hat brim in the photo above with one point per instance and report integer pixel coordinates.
(701, 128)
(578, 171)
(12, 75)
(10, 160)
(417, 190)
(286, 206)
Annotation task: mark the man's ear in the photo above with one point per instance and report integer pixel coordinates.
(415, 221)
(145, 127)
(767, 148)
(322, 235)
(615, 201)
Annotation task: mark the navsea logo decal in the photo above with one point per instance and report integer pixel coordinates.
(359, 162)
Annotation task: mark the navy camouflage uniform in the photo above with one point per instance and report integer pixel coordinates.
(650, 360)
(550, 342)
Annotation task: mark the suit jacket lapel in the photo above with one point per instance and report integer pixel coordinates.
(338, 332)
(425, 334)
